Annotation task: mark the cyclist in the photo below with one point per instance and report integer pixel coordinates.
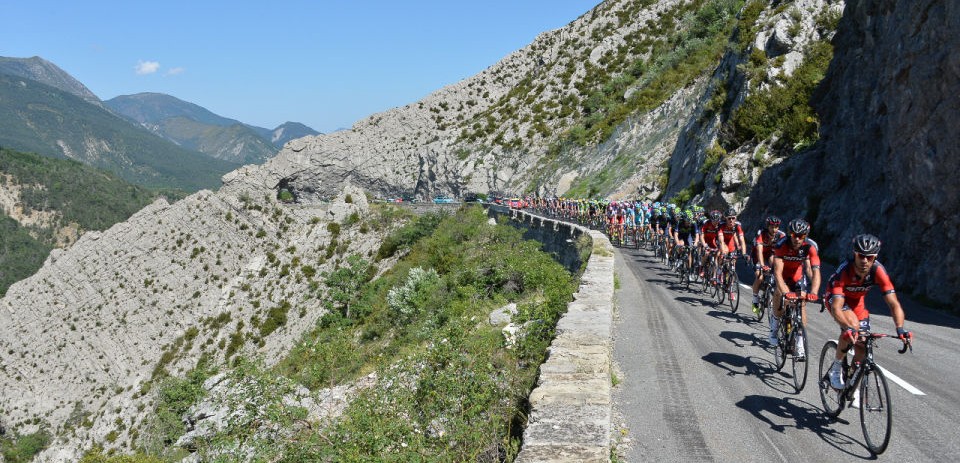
(687, 232)
(763, 253)
(846, 289)
(791, 254)
(712, 238)
(733, 233)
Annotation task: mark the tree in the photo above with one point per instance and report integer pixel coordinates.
(346, 284)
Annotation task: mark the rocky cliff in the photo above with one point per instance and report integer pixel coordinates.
(84, 338)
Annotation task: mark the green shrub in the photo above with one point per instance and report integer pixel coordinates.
(22, 449)
(333, 228)
(276, 317)
(174, 396)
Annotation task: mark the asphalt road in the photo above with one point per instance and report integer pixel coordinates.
(697, 382)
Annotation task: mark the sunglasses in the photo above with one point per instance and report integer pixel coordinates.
(804, 236)
(868, 258)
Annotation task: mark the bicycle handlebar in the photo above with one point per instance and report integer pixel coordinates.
(794, 296)
(907, 343)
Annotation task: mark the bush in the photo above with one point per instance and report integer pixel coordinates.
(407, 302)
(22, 449)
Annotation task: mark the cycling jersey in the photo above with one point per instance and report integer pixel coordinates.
(793, 258)
(711, 232)
(687, 231)
(845, 282)
(763, 238)
(730, 234)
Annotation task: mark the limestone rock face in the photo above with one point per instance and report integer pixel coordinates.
(81, 338)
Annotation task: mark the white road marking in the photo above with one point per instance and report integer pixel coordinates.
(775, 448)
(909, 387)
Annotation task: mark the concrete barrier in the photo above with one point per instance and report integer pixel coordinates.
(571, 407)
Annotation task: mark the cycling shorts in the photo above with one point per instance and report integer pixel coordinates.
(864, 324)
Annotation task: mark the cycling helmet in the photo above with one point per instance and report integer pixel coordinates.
(715, 216)
(731, 212)
(799, 227)
(866, 244)
(773, 221)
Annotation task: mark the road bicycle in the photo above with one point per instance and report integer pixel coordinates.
(708, 285)
(867, 378)
(791, 336)
(659, 247)
(681, 259)
(728, 284)
(767, 286)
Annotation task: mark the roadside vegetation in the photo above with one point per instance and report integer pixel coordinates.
(448, 383)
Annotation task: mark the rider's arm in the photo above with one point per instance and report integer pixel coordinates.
(896, 310)
(815, 285)
(778, 275)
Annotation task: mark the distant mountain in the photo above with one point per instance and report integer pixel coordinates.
(285, 132)
(47, 120)
(195, 127)
(45, 72)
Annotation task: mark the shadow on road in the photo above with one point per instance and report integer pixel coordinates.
(749, 340)
(776, 411)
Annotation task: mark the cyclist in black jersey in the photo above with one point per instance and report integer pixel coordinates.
(686, 232)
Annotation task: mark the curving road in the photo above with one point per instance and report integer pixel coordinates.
(696, 382)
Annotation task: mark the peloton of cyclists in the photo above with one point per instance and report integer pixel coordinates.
(791, 254)
(846, 289)
(763, 253)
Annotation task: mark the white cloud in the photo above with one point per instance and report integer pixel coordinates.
(175, 71)
(146, 67)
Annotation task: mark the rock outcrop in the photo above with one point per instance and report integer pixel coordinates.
(81, 339)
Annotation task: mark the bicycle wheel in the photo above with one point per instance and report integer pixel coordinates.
(720, 288)
(832, 399)
(732, 290)
(765, 298)
(780, 349)
(705, 280)
(800, 366)
(876, 411)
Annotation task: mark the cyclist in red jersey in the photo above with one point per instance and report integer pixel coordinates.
(712, 236)
(763, 253)
(846, 289)
(790, 255)
(732, 233)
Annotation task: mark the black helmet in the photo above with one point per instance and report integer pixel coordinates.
(715, 215)
(866, 244)
(799, 227)
(731, 212)
(773, 221)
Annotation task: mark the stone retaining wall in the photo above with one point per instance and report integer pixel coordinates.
(570, 418)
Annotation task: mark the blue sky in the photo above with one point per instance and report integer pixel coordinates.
(325, 64)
